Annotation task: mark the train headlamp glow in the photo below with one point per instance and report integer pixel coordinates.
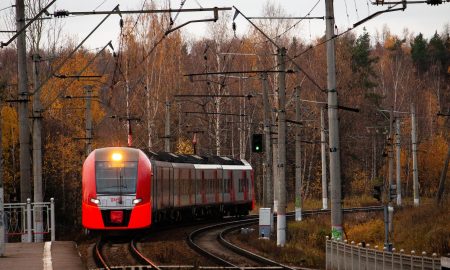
(94, 200)
(136, 201)
(116, 157)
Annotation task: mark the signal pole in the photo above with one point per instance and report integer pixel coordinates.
(24, 129)
(333, 124)
(281, 213)
(268, 181)
(398, 162)
(324, 160)
(298, 155)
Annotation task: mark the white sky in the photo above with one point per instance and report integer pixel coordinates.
(417, 17)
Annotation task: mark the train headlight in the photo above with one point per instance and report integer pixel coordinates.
(136, 201)
(95, 201)
(116, 156)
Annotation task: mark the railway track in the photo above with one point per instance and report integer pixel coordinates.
(209, 241)
(203, 241)
(143, 263)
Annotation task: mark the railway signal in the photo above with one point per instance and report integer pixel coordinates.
(257, 143)
(376, 193)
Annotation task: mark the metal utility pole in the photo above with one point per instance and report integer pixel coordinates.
(298, 161)
(268, 181)
(24, 129)
(281, 213)
(167, 128)
(414, 155)
(2, 207)
(88, 89)
(276, 186)
(390, 154)
(333, 127)
(323, 145)
(37, 151)
(398, 162)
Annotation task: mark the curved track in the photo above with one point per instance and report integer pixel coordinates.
(203, 241)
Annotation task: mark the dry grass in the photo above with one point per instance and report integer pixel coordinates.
(424, 228)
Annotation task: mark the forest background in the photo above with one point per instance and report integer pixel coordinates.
(374, 73)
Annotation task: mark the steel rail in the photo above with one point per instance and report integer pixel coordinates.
(217, 259)
(98, 256)
(141, 257)
(250, 255)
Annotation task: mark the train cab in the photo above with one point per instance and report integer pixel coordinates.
(116, 189)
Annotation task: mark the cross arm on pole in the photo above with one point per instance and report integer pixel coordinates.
(44, 10)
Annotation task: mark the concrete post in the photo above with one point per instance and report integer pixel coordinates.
(167, 128)
(268, 192)
(333, 124)
(52, 219)
(37, 151)
(2, 206)
(29, 226)
(88, 90)
(281, 213)
(275, 175)
(414, 155)
(390, 155)
(298, 153)
(324, 160)
(398, 162)
(24, 129)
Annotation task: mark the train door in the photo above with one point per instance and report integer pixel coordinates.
(176, 173)
(209, 181)
(191, 190)
(219, 185)
(239, 183)
(165, 183)
(226, 183)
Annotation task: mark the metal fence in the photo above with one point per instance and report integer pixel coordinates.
(19, 221)
(343, 256)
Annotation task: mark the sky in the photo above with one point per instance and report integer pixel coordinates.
(417, 17)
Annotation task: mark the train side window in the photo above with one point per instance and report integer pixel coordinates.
(242, 184)
(227, 185)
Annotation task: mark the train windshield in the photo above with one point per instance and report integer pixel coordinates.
(116, 177)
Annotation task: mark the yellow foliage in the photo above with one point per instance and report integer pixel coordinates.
(431, 157)
(10, 127)
(370, 231)
(184, 146)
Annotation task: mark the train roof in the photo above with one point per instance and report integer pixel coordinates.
(192, 159)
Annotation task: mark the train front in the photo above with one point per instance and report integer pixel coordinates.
(116, 189)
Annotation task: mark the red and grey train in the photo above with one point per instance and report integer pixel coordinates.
(125, 188)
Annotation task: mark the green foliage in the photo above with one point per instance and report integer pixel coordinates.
(362, 62)
(419, 52)
(437, 51)
(374, 98)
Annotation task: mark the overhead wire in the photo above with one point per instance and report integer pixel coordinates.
(356, 8)
(104, 1)
(346, 11)
(6, 8)
(292, 26)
